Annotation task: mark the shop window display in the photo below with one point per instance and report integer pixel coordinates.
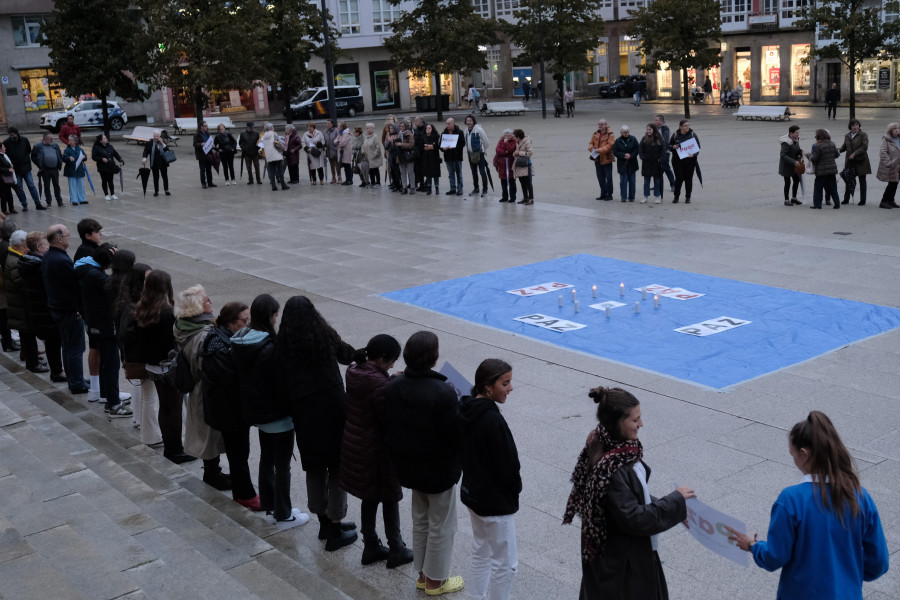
(38, 93)
(771, 70)
(867, 79)
(800, 73)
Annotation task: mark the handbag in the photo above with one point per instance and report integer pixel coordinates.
(409, 155)
(169, 156)
(522, 161)
(135, 371)
(475, 157)
(315, 152)
(8, 179)
(799, 167)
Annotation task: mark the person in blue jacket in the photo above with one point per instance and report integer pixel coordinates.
(825, 533)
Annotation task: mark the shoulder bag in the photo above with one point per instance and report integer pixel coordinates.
(522, 161)
(169, 156)
(799, 167)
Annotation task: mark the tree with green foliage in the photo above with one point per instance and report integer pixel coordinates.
(858, 31)
(294, 37)
(208, 44)
(97, 47)
(684, 34)
(439, 36)
(560, 31)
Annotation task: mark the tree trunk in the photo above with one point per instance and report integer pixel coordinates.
(684, 93)
(105, 108)
(287, 95)
(437, 87)
(198, 106)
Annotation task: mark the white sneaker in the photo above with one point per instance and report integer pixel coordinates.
(296, 519)
(114, 197)
(93, 395)
(657, 201)
(123, 396)
(644, 201)
(106, 198)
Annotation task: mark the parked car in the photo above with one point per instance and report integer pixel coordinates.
(313, 102)
(624, 85)
(87, 113)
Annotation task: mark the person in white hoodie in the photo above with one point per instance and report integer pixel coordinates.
(273, 147)
(476, 148)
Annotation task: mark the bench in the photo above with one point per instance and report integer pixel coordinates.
(505, 108)
(185, 124)
(141, 134)
(763, 113)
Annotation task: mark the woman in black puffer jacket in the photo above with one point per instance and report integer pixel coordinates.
(824, 160)
(366, 470)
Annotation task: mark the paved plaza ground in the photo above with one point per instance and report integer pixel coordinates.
(344, 246)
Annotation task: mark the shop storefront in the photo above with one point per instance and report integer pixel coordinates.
(385, 84)
(38, 92)
(423, 87)
(801, 80)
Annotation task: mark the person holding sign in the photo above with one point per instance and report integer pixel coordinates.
(685, 147)
(620, 520)
(203, 145)
(452, 144)
(825, 533)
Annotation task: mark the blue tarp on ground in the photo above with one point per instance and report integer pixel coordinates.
(787, 327)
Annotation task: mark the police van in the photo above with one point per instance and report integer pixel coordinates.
(313, 102)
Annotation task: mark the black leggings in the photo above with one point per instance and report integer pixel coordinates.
(390, 513)
(787, 185)
(237, 448)
(108, 182)
(312, 174)
(527, 189)
(375, 176)
(684, 174)
(227, 166)
(862, 190)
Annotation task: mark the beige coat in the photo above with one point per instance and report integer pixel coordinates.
(312, 140)
(200, 439)
(888, 161)
(268, 141)
(523, 148)
(373, 150)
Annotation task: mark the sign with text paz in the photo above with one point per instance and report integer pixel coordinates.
(541, 288)
(667, 292)
(551, 323)
(457, 380)
(712, 326)
(707, 525)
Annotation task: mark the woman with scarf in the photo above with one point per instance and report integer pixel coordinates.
(620, 522)
(503, 162)
(315, 146)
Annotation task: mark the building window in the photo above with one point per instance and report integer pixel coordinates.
(492, 76)
(599, 63)
(383, 15)
(482, 8)
(790, 9)
(507, 7)
(771, 70)
(349, 14)
(769, 7)
(38, 93)
(799, 72)
(733, 11)
(27, 30)
(867, 78)
(890, 14)
(664, 81)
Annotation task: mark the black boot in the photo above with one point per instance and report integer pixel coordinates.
(374, 551)
(338, 537)
(174, 451)
(213, 475)
(399, 555)
(325, 523)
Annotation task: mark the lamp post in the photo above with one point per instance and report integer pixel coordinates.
(541, 85)
(329, 67)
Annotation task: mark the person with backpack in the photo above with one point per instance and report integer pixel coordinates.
(476, 146)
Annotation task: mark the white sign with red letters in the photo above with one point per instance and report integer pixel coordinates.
(668, 292)
(713, 326)
(542, 288)
(551, 323)
(707, 525)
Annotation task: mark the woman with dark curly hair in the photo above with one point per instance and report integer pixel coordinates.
(309, 351)
(620, 521)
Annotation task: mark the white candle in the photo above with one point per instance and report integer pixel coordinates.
(643, 293)
(637, 307)
(607, 312)
(573, 295)
(656, 301)
(621, 289)
(594, 291)
(560, 300)
(576, 306)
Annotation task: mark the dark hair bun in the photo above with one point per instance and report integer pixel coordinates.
(598, 394)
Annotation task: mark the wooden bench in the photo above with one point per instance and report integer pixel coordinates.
(185, 124)
(763, 113)
(505, 108)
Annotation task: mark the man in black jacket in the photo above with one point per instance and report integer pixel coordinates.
(250, 152)
(64, 303)
(200, 139)
(48, 159)
(19, 151)
(453, 156)
(91, 274)
(832, 97)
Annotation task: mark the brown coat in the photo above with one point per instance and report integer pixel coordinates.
(858, 145)
(888, 161)
(603, 143)
(523, 148)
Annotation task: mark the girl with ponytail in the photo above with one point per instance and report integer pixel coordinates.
(824, 533)
(620, 521)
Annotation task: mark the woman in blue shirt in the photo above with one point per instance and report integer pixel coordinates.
(824, 534)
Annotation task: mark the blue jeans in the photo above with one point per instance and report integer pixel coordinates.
(657, 185)
(22, 181)
(626, 185)
(666, 168)
(454, 171)
(205, 172)
(71, 332)
(76, 189)
(604, 178)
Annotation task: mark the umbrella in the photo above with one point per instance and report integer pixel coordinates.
(215, 160)
(699, 174)
(40, 184)
(242, 166)
(144, 174)
(490, 178)
(121, 180)
(88, 175)
(849, 177)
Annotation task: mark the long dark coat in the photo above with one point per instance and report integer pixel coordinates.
(366, 469)
(859, 145)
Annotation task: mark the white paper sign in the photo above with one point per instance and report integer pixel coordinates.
(688, 148)
(595, 153)
(707, 525)
(449, 140)
(666, 292)
(541, 288)
(551, 323)
(208, 145)
(79, 160)
(609, 303)
(712, 326)
(460, 384)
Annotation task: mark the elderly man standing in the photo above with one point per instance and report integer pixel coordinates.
(200, 140)
(600, 147)
(48, 158)
(17, 302)
(453, 154)
(18, 149)
(64, 303)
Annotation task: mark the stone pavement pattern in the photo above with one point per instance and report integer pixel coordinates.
(92, 513)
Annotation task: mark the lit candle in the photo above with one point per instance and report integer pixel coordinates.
(621, 289)
(656, 301)
(560, 300)
(576, 306)
(643, 293)
(607, 312)
(573, 295)
(594, 291)
(637, 307)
